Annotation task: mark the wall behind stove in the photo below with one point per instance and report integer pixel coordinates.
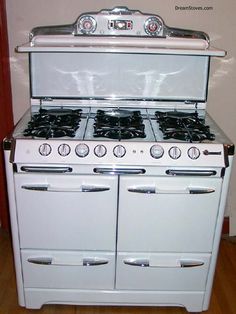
(219, 22)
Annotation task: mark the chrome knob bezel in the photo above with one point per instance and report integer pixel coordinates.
(193, 153)
(82, 153)
(174, 152)
(64, 150)
(80, 27)
(43, 149)
(98, 147)
(155, 20)
(153, 153)
(116, 151)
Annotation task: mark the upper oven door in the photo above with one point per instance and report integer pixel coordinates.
(127, 76)
(66, 211)
(167, 214)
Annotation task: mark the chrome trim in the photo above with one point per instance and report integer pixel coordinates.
(144, 190)
(119, 171)
(35, 187)
(48, 188)
(190, 263)
(154, 190)
(94, 188)
(137, 262)
(201, 191)
(203, 173)
(40, 260)
(7, 143)
(94, 262)
(46, 169)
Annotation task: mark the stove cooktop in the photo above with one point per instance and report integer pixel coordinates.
(112, 124)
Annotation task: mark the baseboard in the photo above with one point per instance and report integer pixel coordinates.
(225, 228)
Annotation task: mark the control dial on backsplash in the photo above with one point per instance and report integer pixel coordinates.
(45, 149)
(87, 25)
(153, 26)
(64, 150)
(119, 151)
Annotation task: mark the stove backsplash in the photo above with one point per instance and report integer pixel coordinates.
(115, 76)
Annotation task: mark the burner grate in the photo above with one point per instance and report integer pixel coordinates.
(183, 126)
(53, 123)
(119, 124)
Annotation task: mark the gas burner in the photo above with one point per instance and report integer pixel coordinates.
(119, 124)
(183, 126)
(54, 123)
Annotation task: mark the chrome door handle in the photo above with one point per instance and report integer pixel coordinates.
(49, 261)
(94, 188)
(175, 263)
(94, 262)
(154, 190)
(40, 260)
(201, 190)
(204, 173)
(119, 171)
(48, 188)
(137, 262)
(191, 263)
(35, 187)
(46, 169)
(144, 190)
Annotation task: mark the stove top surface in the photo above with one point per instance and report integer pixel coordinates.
(115, 124)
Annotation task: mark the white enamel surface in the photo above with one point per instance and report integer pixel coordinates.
(106, 42)
(68, 277)
(165, 277)
(173, 223)
(72, 217)
(136, 153)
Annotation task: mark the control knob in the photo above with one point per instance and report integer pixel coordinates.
(64, 150)
(87, 24)
(82, 150)
(119, 151)
(100, 150)
(45, 149)
(193, 153)
(156, 151)
(174, 152)
(153, 26)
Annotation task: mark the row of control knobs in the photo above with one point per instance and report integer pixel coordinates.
(82, 150)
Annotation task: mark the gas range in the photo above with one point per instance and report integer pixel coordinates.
(115, 158)
(120, 136)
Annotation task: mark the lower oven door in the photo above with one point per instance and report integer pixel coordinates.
(68, 269)
(68, 212)
(158, 214)
(162, 271)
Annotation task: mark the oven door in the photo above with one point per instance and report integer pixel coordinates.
(68, 212)
(158, 214)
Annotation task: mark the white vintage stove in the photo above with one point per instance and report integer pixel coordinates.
(117, 176)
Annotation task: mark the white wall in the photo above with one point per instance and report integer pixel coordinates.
(219, 23)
